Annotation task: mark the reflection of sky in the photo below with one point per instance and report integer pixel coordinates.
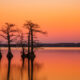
(49, 64)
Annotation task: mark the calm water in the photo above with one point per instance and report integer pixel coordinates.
(49, 64)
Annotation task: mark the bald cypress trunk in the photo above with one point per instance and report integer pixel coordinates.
(9, 55)
(29, 42)
(9, 62)
(32, 52)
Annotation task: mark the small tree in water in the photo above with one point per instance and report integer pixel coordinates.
(22, 42)
(8, 34)
(32, 28)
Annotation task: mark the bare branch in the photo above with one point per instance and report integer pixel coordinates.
(13, 30)
(3, 36)
(10, 25)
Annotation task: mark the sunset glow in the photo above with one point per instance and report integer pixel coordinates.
(60, 18)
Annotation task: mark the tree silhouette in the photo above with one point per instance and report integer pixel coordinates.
(32, 29)
(22, 42)
(8, 31)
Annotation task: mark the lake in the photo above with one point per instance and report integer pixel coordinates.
(50, 63)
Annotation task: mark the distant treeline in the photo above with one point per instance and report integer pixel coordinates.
(46, 45)
(62, 45)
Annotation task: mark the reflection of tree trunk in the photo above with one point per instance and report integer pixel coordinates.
(9, 62)
(0, 69)
(0, 63)
(22, 68)
(31, 69)
(23, 62)
(28, 69)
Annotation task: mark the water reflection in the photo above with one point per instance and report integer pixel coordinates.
(30, 69)
(30, 63)
(9, 62)
(47, 65)
(18, 68)
(0, 66)
(26, 69)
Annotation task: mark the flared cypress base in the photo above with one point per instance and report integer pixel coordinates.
(9, 55)
(30, 56)
(23, 56)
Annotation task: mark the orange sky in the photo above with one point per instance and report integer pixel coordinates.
(60, 18)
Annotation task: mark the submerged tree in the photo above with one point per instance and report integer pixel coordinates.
(32, 29)
(8, 31)
(22, 42)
